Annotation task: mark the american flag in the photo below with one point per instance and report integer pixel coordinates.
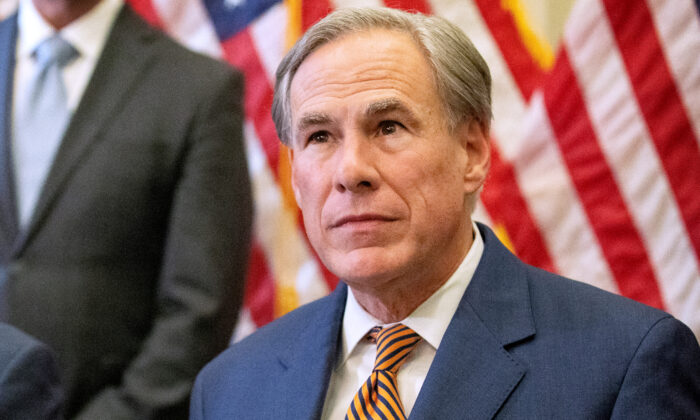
(596, 146)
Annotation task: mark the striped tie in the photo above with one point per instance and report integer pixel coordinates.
(378, 398)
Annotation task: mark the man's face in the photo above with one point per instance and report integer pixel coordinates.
(380, 180)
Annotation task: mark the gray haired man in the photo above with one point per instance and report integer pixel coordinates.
(387, 118)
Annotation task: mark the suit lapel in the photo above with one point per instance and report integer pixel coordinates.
(8, 209)
(126, 55)
(473, 373)
(309, 361)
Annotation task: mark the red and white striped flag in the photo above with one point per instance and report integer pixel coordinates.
(596, 149)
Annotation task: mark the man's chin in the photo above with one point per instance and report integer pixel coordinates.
(365, 266)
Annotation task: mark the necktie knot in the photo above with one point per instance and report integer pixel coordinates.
(378, 397)
(55, 50)
(394, 344)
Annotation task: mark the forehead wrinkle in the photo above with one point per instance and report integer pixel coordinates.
(329, 80)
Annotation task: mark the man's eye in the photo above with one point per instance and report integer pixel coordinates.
(387, 128)
(318, 137)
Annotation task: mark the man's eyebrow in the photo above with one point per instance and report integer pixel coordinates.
(374, 109)
(388, 105)
(312, 119)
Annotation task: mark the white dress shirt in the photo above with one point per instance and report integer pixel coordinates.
(430, 320)
(87, 35)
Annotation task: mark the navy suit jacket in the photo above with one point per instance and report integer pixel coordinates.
(523, 343)
(29, 381)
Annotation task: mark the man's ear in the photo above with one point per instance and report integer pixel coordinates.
(293, 177)
(475, 139)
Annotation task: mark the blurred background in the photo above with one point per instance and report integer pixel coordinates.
(596, 138)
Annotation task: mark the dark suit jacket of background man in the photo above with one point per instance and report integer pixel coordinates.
(523, 344)
(29, 382)
(132, 265)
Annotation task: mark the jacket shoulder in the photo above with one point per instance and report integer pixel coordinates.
(180, 60)
(263, 345)
(576, 303)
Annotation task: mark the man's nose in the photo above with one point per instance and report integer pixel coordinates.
(356, 170)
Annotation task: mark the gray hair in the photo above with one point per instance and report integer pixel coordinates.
(461, 75)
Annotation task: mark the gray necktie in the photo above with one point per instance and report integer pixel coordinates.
(40, 122)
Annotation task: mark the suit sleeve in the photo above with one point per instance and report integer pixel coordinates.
(204, 266)
(30, 386)
(663, 377)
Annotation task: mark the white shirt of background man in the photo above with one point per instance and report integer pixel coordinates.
(87, 35)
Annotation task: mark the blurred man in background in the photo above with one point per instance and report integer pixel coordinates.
(125, 204)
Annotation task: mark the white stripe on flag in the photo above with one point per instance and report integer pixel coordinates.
(310, 284)
(628, 148)
(244, 327)
(509, 106)
(547, 187)
(480, 214)
(268, 34)
(356, 3)
(188, 21)
(678, 28)
(277, 231)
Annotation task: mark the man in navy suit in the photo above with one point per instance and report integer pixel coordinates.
(387, 117)
(29, 380)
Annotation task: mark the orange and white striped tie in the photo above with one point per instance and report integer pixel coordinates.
(378, 398)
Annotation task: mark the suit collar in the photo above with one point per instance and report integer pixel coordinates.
(32, 29)
(87, 34)
(310, 358)
(126, 56)
(473, 369)
(500, 292)
(472, 374)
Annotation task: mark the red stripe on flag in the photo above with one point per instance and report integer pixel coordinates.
(313, 11)
(240, 51)
(606, 210)
(505, 202)
(260, 288)
(661, 105)
(421, 6)
(147, 11)
(506, 206)
(527, 74)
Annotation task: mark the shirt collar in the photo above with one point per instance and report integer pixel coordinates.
(33, 29)
(431, 319)
(356, 323)
(86, 34)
